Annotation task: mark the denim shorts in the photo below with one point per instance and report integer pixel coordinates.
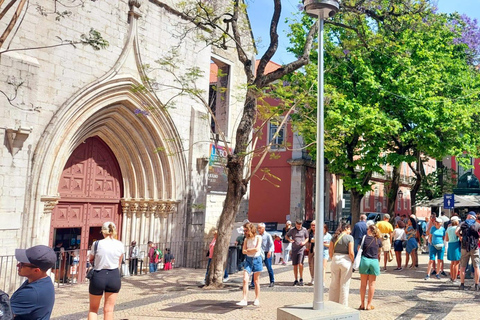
(253, 264)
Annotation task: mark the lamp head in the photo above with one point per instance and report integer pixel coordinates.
(321, 8)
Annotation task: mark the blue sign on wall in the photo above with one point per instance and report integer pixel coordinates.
(449, 201)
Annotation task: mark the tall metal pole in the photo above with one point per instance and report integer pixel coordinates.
(320, 188)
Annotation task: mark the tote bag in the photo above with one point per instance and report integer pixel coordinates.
(356, 262)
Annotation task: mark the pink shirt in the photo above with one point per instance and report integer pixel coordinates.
(278, 246)
(210, 249)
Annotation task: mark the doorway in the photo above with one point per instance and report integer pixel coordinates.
(90, 190)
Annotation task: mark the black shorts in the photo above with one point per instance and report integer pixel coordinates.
(105, 281)
(398, 245)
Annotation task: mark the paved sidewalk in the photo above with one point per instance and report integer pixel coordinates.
(176, 294)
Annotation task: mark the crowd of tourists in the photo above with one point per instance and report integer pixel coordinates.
(362, 249)
(434, 235)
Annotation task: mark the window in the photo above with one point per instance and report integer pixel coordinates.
(219, 93)
(367, 200)
(462, 170)
(278, 142)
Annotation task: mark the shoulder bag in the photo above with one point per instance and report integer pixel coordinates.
(335, 244)
(356, 262)
(90, 271)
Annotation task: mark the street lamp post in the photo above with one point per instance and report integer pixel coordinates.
(321, 9)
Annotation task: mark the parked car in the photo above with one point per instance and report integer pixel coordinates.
(375, 216)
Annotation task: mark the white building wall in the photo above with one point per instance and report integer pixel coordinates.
(55, 76)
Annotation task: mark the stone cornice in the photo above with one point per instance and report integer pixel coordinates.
(301, 162)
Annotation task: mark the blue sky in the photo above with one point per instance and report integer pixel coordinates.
(260, 14)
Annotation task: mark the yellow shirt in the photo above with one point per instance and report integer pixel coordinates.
(384, 227)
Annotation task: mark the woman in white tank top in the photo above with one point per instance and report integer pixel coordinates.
(252, 248)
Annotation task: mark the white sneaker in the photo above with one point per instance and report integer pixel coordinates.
(312, 282)
(226, 279)
(256, 302)
(242, 303)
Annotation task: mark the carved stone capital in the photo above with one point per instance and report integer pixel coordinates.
(49, 203)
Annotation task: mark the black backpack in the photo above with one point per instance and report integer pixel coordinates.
(5, 310)
(469, 237)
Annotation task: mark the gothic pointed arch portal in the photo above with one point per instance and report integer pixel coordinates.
(90, 189)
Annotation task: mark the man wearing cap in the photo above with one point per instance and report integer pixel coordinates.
(386, 229)
(36, 296)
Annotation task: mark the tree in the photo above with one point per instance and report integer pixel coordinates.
(225, 26)
(394, 82)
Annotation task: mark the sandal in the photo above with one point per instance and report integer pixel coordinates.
(370, 308)
(361, 308)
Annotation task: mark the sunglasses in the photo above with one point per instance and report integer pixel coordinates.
(27, 265)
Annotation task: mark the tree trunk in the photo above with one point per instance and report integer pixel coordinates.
(419, 173)
(237, 187)
(355, 205)
(392, 193)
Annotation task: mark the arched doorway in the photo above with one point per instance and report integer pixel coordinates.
(90, 190)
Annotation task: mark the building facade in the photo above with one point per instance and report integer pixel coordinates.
(89, 135)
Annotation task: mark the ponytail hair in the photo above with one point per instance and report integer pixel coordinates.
(109, 229)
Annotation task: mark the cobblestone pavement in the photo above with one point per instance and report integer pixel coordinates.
(177, 294)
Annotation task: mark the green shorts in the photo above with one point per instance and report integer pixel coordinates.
(369, 266)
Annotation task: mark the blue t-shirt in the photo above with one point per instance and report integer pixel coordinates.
(33, 301)
(359, 230)
(437, 235)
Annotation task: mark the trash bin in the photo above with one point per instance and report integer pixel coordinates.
(232, 260)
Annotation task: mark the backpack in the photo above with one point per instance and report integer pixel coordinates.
(157, 255)
(469, 237)
(5, 310)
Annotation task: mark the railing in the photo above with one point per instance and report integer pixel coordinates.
(9, 278)
(71, 265)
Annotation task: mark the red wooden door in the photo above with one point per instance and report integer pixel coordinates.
(90, 190)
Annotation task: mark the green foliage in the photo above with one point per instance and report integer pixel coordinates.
(94, 39)
(396, 85)
(436, 184)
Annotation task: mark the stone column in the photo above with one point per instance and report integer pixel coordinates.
(143, 210)
(152, 208)
(133, 213)
(124, 221)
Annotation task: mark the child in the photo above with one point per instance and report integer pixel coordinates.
(278, 249)
(398, 237)
(169, 259)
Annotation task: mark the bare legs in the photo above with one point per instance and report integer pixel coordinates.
(385, 260)
(364, 279)
(431, 264)
(108, 306)
(414, 258)
(95, 305)
(296, 269)
(398, 256)
(454, 270)
(256, 277)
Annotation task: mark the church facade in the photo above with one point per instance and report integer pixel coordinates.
(91, 135)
